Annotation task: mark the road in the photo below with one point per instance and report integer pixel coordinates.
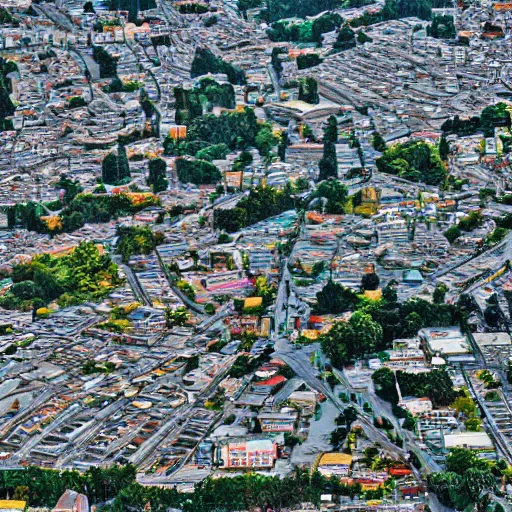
(299, 361)
(138, 291)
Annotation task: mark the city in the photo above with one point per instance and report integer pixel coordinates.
(255, 255)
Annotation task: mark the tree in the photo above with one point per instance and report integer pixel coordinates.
(157, 175)
(11, 216)
(231, 220)
(134, 240)
(21, 493)
(412, 324)
(115, 167)
(444, 148)
(331, 130)
(308, 90)
(25, 290)
(89, 7)
(452, 233)
(71, 188)
(308, 60)
(325, 23)
(106, 62)
(461, 460)
(436, 385)
(72, 222)
(199, 172)
(7, 108)
(76, 102)
(385, 384)
(415, 161)
(346, 341)
(205, 62)
(370, 281)
(439, 293)
(442, 27)
(334, 299)
(346, 38)
(363, 38)
(335, 193)
(328, 165)
(176, 317)
(132, 6)
(265, 140)
(378, 142)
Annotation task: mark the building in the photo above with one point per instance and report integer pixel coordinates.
(257, 453)
(335, 464)
(278, 421)
(416, 405)
(445, 341)
(72, 501)
(470, 440)
(12, 505)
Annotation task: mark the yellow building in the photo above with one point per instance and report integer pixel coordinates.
(335, 463)
(12, 505)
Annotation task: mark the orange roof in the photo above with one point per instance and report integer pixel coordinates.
(273, 381)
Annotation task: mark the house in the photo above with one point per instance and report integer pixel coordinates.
(72, 501)
(335, 464)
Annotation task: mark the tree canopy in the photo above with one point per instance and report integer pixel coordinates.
(205, 61)
(346, 341)
(115, 167)
(415, 161)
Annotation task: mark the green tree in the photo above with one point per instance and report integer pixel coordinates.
(331, 130)
(106, 62)
(452, 233)
(346, 38)
(370, 281)
(89, 7)
(265, 140)
(461, 460)
(346, 341)
(72, 222)
(115, 167)
(363, 38)
(328, 165)
(308, 90)
(334, 299)
(385, 384)
(439, 293)
(157, 175)
(415, 161)
(176, 317)
(335, 193)
(442, 27)
(378, 142)
(444, 148)
(308, 60)
(412, 324)
(199, 172)
(205, 62)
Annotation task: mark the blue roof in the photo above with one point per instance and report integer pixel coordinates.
(413, 275)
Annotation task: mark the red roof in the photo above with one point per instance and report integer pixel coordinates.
(316, 319)
(273, 381)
